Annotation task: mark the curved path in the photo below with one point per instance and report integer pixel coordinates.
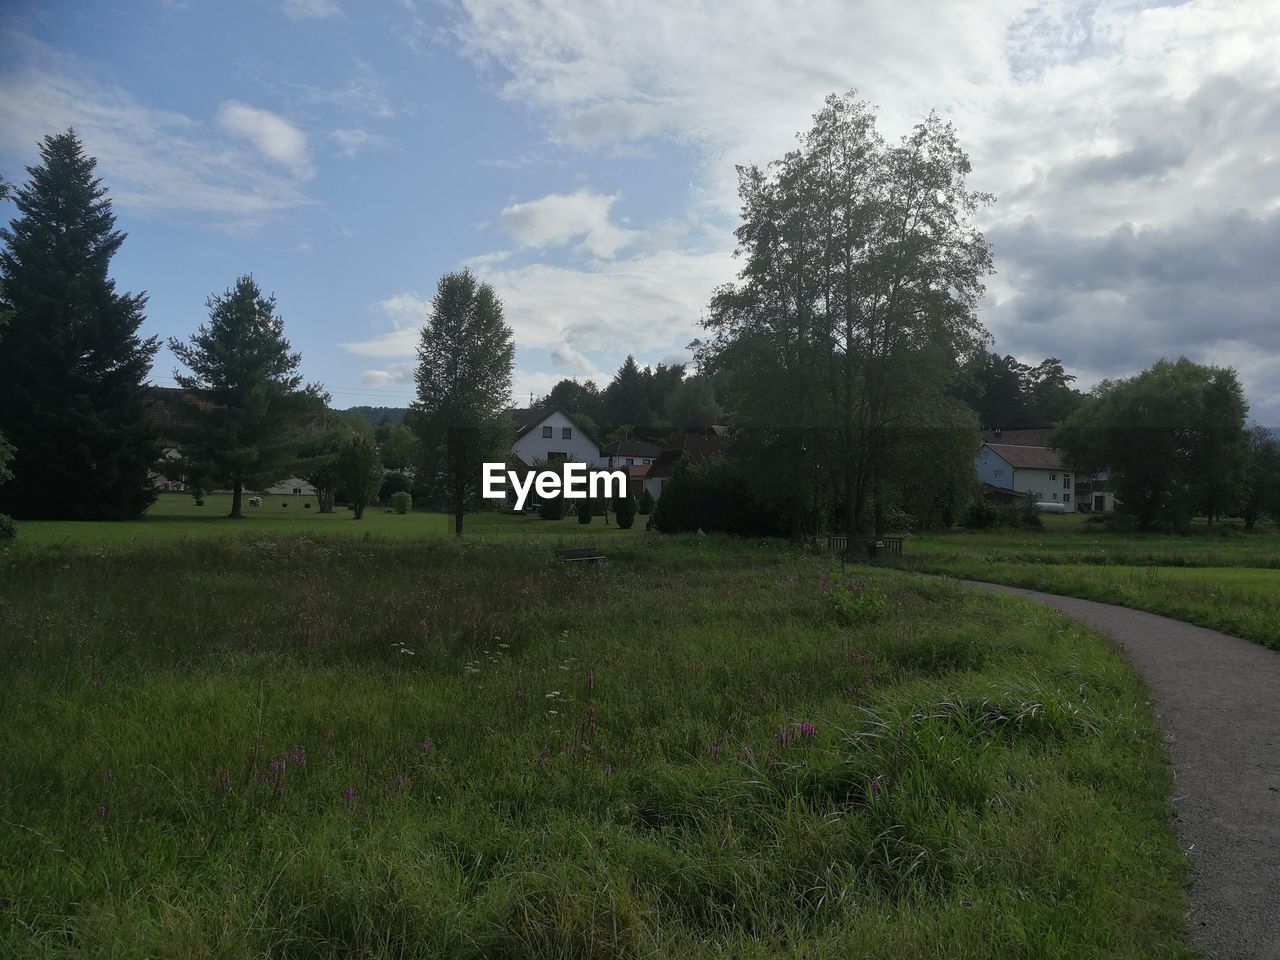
(1217, 698)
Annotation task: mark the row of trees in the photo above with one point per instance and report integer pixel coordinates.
(1175, 442)
(1011, 395)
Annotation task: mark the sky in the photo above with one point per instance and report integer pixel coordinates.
(580, 156)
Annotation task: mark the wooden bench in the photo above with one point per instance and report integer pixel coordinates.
(876, 548)
(579, 554)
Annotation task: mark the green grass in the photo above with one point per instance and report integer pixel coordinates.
(615, 765)
(1225, 579)
(175, 516)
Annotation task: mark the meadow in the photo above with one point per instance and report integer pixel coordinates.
(377, 746)
(1221, 577)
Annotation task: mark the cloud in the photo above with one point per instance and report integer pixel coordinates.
(1124, 132)
(567, 357)
(276, 138)
(311, 9)
(364, 95)
(407, 312)
(558, 218)
(394, 375)
(154, 161)
(352, 141)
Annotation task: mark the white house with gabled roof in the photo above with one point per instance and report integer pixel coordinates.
(548, 433)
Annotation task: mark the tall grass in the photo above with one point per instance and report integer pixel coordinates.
(349, 747)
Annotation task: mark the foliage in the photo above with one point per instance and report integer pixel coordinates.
(73, 365)
(1020, 513)
(359, 471)
(8, 529)
(692, 405)
(856, 604)
(6, 457)
(543, 774)
(1171, 439)
(1260, 487)
(392, 483)
(319, 453)
(401, 501)
(862, 269)
(464, 388)
(624, 511)
(1011, 395)
(645, 505)
(245, 401)
(713, 495)
(584, 510)
(400, 448)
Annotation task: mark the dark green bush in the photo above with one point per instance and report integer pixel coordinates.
(401, 501)
(584, 510)
(713, 495)
(392, 484)
(8, 529)
(645, 506)
(551, 508)
(982, 515)
(624, 510)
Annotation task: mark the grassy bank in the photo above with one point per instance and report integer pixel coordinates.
(332, 747)
(1224, 579)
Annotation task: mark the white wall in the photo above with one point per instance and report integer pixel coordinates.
(533, 446)
(1052, 486)
(993, 469)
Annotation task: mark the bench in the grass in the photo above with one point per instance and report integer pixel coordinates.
(579, 554)
(875, 548)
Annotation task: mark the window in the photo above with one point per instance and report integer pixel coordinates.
(1066, 481)
(546, 433)
(630, 461)
(1066, 498)
(1053, 476)
(1055, 496)
(556, 455)
(566, 433)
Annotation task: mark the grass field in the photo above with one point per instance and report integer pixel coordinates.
(1224, 579)
(333, 746)
(175, 516)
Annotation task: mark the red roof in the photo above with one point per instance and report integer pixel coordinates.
(1028, 458)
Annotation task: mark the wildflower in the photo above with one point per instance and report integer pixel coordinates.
(519, 694)
(223, 780)
(426, 745)
(608, 768)
(591, 680)
(542, 757)
(298, 755)
(751, 754)
(714, 750)
(102, 811)
(350, 795)
(108, 775)
(875, 787)
(328, 736)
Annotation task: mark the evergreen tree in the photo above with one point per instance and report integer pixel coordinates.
(464, 387)
(72, 365)
(246, 402)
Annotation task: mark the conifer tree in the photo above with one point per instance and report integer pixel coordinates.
(72, 362)
(245, 400)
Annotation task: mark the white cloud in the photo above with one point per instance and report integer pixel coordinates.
(394, 375)
(311, 9)
(407, 312)
(352, 141)
(275, 137)
(154, 161)
(558, 218)
(566, 356)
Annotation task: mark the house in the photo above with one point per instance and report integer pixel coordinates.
(548, 433)
(628, 453)
(694, 443)
(1022, 462)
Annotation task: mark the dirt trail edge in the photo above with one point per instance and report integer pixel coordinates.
(1217, 698)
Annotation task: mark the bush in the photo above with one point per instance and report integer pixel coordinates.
(392, 484)
(861, 604)
(982, 515)
(624, 511)
(713, 495)
(645, 506)
(899, 521)
(8, 529)
(401, 501)
(551, 508)
(199, 501)
(584, 510)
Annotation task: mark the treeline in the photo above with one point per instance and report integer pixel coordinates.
(650, 402)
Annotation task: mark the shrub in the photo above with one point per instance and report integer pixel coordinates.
(392, 484)
(862, 604)
(713, 495)
(584, 510)
(899, 521)
(982, 515)
(552, 508)
(645, 506)
(8, 529)
(401, 501)
(199, 501)
(624, 511)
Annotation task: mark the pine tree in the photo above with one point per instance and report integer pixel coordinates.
(245, 398)
(72, 364)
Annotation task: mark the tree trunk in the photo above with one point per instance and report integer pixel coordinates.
(358, 512)
(457, 519)
(236, 489)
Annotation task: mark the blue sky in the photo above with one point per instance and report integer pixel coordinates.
(579, 154)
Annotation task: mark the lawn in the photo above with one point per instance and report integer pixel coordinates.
(333, 746)
(174, 516)
(1225, 579)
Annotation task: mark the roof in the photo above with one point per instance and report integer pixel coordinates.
(631, 448)
(526, 418)
(702, 444)
(636, 469)
(1038, 437)
(1025, 457)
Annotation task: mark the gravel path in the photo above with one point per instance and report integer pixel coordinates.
(1218, 700)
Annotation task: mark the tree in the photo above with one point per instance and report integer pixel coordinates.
(319, 455)
(862, 270)
(1260, 486)
(398, 445)
(359, 471)
(74, 365)
(624, 511)
(626, 397)
(245, 398)
(1167, 437)
(692, 405)
(464, 387)
(584, 509)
